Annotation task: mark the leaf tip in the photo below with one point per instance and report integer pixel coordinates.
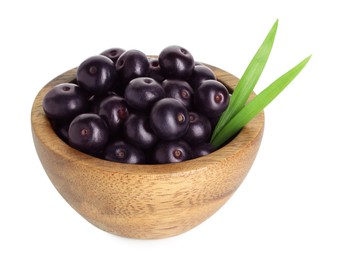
(306, 60)
(276, 24)
(273, 30)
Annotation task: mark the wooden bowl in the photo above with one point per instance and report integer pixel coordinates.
(145, 201)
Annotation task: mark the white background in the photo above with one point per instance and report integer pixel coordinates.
(288, 206)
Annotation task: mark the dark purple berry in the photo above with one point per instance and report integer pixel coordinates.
(176, 62)
(97, 74)
(123, 152)
(200, 74)
(211, 98)
(132, 64)
(113, 53)
(65, 101)
(88, 133)
(96, 100)
(141, 93)
(169, 119)
(180, 90)
(171, 152)
(137, 131)
(202, 149)
(114, 111)
(155, 71)
(126, 107)
(199, 129)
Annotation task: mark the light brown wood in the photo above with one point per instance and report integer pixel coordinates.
(145, 201)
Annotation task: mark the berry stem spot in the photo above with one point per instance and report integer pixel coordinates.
(122, 113)
(93, 70)
(84, 132)
(120, 153)
(184, 94)
(180, 118)
(177, 154)
(113, 53)
(184, 51)
(192, 117)
(120, 63)
(218, 98)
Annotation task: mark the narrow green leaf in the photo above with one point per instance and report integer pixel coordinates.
(257, 104)
(248, 80)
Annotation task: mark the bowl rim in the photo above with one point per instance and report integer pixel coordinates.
(42, 130)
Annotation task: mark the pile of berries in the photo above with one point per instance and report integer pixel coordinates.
(126, 107)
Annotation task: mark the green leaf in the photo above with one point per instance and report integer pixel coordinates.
(248, 80)
(257, 104)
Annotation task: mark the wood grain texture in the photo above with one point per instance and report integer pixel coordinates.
(145, 201)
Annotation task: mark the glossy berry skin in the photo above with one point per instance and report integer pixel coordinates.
(199, 129)
(95, 101)
(97, 74)
(88, 133)
(171, 152)
(120, 151)
(132, 64)
(211, 98)
(202, 149)
(200, 74)
(114, 111)
(137, 131)
(113, 53)
(65, 101)
(126, 107)
(180, 90)
(141, 93)
(176, 62)
(169, 119)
